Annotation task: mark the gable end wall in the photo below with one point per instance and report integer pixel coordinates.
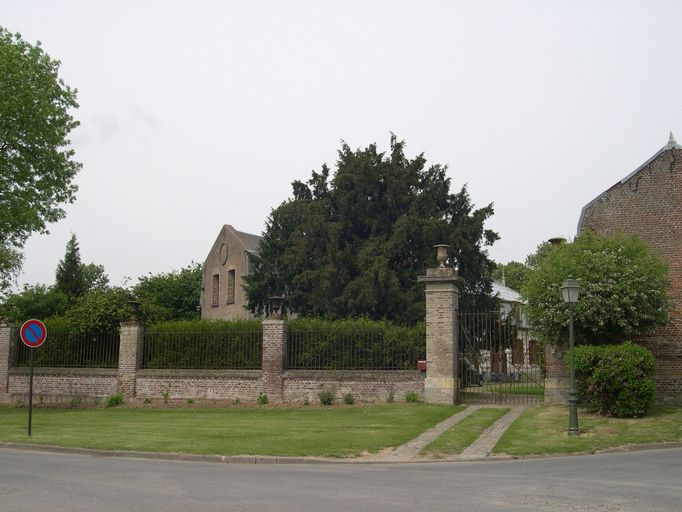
(649, 205)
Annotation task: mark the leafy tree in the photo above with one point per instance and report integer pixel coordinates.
(36, 164)
(624, 289)
(99, 310)
(70, 279)
(38, 301)
(94, 277)
(513, 274)
(354, 243)
(170, 296)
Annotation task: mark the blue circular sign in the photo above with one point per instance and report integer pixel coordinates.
(33, 333)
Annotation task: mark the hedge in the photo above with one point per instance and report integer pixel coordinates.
(203, 344)
(354, 344)
(616, 379)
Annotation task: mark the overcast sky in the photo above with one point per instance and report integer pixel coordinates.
(198, 114)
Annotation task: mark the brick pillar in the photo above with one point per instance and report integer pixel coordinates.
(129, 356)
(557, 381)
(442, 302)
(274, 356)
(8, 342)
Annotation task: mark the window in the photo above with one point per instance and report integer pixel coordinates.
(230, 286)
(215, 291)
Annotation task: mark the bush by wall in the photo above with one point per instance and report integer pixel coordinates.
(616, 379)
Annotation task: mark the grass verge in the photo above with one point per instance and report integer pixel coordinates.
(333, 432)
(543, 430)
(455, 440)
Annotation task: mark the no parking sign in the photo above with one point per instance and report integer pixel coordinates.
(33, 333)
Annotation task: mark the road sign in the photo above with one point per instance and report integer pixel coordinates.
(33, 333)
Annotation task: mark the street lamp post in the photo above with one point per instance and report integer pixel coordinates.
(570, 290)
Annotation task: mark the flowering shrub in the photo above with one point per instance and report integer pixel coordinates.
(623, 289)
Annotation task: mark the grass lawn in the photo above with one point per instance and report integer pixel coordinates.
(455, 440)
(542, 430)
(330, 432)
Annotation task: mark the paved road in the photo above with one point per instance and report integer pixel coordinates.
(634, 481)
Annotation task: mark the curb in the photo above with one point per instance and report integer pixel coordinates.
(264, 459)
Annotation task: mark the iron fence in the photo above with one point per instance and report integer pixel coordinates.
(331, 350)
(64, 349)
(202, 350)
(499, 359)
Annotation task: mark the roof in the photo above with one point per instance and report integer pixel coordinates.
(506, 294)
(249, 241)
(672, 144)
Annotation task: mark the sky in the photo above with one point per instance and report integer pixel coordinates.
(196, 114)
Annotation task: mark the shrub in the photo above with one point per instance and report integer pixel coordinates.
(411, 397)
(390, 398)
(147, 401)
(190, 401)
(616, 379)
(262, 399)
(166, 396)
(326, 397)
(624, 289)
(348, 399)
(114, 400)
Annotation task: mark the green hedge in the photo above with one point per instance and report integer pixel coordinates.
(616, 379)
(68, 348)
(203, 344)
(359, 344)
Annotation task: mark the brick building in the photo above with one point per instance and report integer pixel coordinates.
(222, 288)
(648, 203)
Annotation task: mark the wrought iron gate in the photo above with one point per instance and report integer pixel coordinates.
(499, 360)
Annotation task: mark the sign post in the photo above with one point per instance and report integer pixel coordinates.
(33, 333)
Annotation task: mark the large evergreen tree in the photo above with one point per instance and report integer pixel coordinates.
(354, 243)
(70, 279)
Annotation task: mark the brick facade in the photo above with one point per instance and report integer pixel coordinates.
(648, 203)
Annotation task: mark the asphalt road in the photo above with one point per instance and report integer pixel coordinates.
(634, 481)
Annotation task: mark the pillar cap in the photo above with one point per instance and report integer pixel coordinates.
(440, 275)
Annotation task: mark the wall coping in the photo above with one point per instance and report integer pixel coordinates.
(346, 375)
(199, 374)
(104, 372)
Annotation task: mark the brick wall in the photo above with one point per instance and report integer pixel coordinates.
(215, 385)
(649, 205)
(58, 384)
(365, 386)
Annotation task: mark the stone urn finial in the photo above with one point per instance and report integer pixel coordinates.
(442, 254)
(276, 307)
(134, 310)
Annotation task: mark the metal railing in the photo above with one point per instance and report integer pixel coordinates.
(327, 350)
(202, 350)
(65, 349)
(499, 360)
